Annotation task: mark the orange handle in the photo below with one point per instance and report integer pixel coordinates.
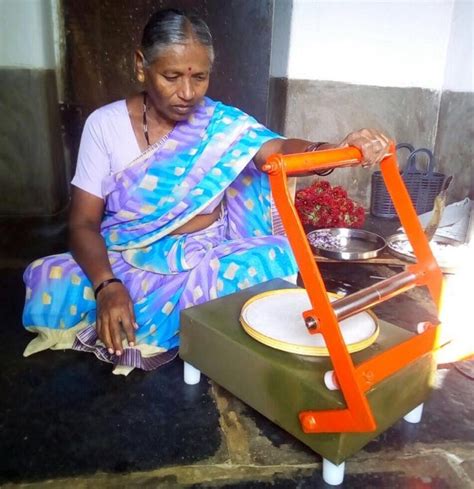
(318, 160)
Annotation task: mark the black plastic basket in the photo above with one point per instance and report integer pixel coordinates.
(423, 186)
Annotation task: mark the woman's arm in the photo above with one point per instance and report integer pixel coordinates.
(372, 143)
(114, 306)
(85, 241)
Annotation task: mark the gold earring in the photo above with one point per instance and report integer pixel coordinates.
(141, 77)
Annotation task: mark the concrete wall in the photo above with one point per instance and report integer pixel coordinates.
(455, 130)
(26, 34)
(401, 67)
(32, 168)
(408, 114)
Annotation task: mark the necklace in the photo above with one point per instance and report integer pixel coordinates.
(145, 122)
(145, 126)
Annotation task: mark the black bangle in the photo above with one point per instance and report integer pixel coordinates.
(104, 284)
(314, 147)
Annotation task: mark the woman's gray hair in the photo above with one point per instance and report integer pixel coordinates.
(171, 26)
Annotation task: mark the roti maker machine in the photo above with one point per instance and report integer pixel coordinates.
(337, 403)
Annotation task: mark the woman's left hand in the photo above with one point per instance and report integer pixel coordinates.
(372, 143)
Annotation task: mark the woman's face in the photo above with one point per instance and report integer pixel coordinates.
(177, 80)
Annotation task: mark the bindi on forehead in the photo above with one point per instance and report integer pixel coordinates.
(189, 68)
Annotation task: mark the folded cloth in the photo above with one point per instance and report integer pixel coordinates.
(455, 221)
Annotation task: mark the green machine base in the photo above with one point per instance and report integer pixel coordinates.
(279, 384)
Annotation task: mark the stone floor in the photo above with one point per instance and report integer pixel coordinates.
(67, 422)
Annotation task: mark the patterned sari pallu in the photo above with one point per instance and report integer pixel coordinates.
(206, 159)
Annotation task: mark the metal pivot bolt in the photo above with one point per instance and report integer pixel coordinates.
(368, 376)
(309, 423)
(311, 322)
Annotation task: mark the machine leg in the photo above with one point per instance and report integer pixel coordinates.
(192, 375)
(414, 416)
(333, 474)
(330, 380)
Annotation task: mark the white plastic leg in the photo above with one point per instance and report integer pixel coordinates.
(333, 474)
(414, 416)
(330, 380)
(422, 327)
(192, 375)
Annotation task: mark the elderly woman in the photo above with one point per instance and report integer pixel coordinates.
(169, 209)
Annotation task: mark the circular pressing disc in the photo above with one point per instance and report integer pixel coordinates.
(275, 319)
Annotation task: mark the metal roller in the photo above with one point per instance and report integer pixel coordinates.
(375, 294)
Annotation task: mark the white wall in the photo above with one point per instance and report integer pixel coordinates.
(373, 42)
(26, 34)
(460, 56)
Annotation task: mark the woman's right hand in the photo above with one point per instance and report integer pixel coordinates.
(115, 317)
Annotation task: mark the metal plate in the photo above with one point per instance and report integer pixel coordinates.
(446, 264)
(346, 243)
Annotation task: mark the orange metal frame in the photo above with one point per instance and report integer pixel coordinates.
(353, 381)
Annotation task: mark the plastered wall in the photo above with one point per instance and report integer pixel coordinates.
(32, 166)
(401, 67)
